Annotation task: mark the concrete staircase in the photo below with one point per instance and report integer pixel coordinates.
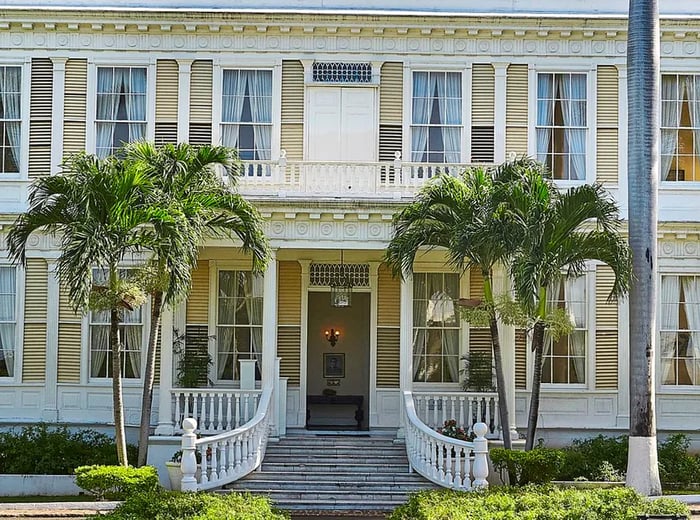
(333, 473)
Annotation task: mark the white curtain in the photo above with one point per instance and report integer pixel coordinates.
(545, 114)
(419, 326)
(107, 105)
(670, 296)
(10, 96)
(99, 347)
(422, 103)
(693, 89)
(260, 91)
(226, 336)
(451, 112)
(670, 120)
(573, 100)
(135, 90)
(691, 290)
(7, 318)
(132, 341)
(232, 110)
(575, 294)
(254, 307)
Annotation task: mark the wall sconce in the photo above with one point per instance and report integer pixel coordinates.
(332, 336)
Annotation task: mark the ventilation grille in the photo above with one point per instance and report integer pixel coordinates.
(323, 275)
(342, 72)
(166, 133)
(482, 144)
(200, 133)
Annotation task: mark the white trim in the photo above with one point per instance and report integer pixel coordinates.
(500, 71)
(373, 420)
(58, 98)
(467, 78)
(26, 118)
(303, 355)
(52, 321)
(20, 274)
(184, 74)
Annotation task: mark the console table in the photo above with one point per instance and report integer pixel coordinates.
(354, 400)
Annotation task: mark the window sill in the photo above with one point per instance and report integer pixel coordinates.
(670, 186)
(679, 390)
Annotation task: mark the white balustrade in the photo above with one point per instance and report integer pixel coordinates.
(466, 408)
(228, 456)
(215, 410)
(446, 461)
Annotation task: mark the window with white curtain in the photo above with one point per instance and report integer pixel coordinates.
(131, 336)
(121, 108)
(679, 329)
(562, 127)
(238, 322)
(8, 320)
(10, 118)
(564, 360)
(680, 127)
(246, 118)
(436, 121)
(436, 326)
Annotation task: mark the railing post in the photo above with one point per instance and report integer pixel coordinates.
(480, 469)
(188, 463)
(282, 170)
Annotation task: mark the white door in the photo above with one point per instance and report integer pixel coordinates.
(341, 124)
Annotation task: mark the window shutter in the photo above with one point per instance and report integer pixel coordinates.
(40, 125)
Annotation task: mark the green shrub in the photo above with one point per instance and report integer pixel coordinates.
(589, 458)
(676, 465)
(537, 466)
(116, 482)
(174, 505)
(41, 449)
(540, 503)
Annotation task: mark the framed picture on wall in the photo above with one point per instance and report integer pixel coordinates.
(334, 365)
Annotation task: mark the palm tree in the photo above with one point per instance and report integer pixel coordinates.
(186, 183)
(94, 209)
(643, 172)
(559, 233)
(461, 215)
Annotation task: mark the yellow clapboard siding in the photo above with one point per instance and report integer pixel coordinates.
(40, 123)
(198, 300)
(201, 91)
(516, 140)
(606, 330)
(606, 312)
(606, 160)
(65, 311)
(292, 92)
(606, 360)
(608, 95)
(476, 283)
(483, 91)
(289, 351)
(516, 96)
(520, 359)
(34, 343)
(167, 74)
(34, 353)
(480, 340)
(388, 350)
(289, 293)
(75, 104)
(293, 140)
(391, 94)
(388, 296)
(69, 353)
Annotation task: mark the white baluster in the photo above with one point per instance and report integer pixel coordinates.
(237, 411)
(188, 462)
(436, 423)
(453, 399)
(214, 475)
(177, 419)
(211, 396)
(470, 414)
(457, 477)
(480, 469)
(204, 463)
(461, 411)
(195, 407)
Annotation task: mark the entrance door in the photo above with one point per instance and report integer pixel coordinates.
(341, 124)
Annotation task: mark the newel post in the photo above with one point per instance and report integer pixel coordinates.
(188, 462)
(480, 469)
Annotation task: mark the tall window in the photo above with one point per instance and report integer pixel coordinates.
(239, 322)
(565, 359)
(246, 119)
(10, 118)
(436, 125)
(561, 124)
(121, 107)
(680, 127)
(435, 327)
(130, 335)
(8, 320)
(680, 330)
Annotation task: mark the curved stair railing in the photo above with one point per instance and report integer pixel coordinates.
(448, 462)
(228, 456)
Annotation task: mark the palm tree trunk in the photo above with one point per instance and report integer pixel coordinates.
(538, 347)
(115, 347)
(643, 174)
(149, 376)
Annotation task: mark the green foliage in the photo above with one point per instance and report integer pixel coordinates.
(676, 465)
(478, 372)
(41, 449)
(540, 503)
(116, 482)
(538, 466)
(174, 505)
(451, 430)
(590, 458)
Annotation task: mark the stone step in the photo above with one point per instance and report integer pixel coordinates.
(339, 477)
(334, 466)
(334, 495)
(342, 450)
(321, 458)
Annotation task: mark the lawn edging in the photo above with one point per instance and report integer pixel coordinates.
(38, 485)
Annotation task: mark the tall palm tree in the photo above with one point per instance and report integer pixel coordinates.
(461, 215)
(186, 183)
(559, 233)
(94, 209)
(643, 174)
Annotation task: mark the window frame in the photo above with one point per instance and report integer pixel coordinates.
(25, 106)
(18, 322)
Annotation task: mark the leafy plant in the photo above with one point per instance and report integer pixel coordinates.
(478, 372)
(116, 482)
(676, 465)
(538, 466)
(193, 363)
(586, 457)
(450, 429)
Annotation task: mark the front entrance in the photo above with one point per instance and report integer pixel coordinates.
(338, 357)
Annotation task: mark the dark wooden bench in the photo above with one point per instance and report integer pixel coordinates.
(354, 400)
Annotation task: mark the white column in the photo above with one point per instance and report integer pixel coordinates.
(499, 113)
(623, 364)
(183, 100)
(269, 334)
(165, 382)
(406, 345)
(50, 413)
(622, 144)
(303, 355)
(57, 108)
(506, 335)
(373, 284)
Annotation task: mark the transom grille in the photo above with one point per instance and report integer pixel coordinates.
(323, 275)
(342, 72)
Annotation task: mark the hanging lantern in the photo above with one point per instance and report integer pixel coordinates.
(341, 288)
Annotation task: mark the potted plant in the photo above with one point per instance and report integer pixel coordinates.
(174, 471)
(451, 430)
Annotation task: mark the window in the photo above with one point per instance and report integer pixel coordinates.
(10, 118)
(680, 330)
(130, 334)
(246, 121)
(239, 322)
(561, 124)
(680, 127)
(8, 320)
(121, 107)
(436, 126)
(436, 327)
(564, 360)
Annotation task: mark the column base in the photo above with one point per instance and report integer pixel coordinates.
(165, 429)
